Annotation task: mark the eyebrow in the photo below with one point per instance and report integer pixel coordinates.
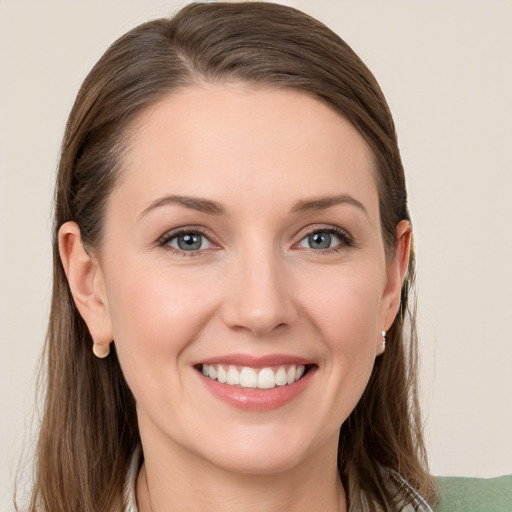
(322, 203)
(214, 208)
(193, 203)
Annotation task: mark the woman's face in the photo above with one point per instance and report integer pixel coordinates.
(243, 241)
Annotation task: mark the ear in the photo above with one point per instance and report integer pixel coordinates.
(396, 272)
(87, 286)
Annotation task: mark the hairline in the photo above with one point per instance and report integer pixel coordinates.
(128, 133)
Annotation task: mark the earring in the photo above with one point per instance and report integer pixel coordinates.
(383, 348)
(101, 351)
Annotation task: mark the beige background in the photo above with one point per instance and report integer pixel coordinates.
(445, 68)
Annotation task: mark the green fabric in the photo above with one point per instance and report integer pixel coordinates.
(475, 494)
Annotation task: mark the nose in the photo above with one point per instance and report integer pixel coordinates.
(260, 295)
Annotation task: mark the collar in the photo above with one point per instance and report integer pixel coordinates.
(412, 501)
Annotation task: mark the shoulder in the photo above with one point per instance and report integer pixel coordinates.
(411, 500)
(405, 497)
(458, 494)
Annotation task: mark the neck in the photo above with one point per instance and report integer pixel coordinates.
(167, 481)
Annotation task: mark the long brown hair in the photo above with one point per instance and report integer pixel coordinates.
(89, 427)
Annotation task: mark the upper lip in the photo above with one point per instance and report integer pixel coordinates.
(256, 361)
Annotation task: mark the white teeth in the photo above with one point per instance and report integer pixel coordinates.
(266, 379)
(222, 375)
(290, 375)
(281, 377)
(246, 377)
(233, 376)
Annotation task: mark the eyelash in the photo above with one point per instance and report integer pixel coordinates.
(169, 237)
(346, 240)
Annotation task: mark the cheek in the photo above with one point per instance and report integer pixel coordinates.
(345, 306)
(155, 314)
(345, 312)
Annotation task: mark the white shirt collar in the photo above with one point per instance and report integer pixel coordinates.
(415, 503)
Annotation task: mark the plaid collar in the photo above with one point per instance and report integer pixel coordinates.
(412, 501)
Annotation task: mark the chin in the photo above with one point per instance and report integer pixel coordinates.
(262, 463)
(260, 454)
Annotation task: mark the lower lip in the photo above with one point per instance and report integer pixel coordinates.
(250, 399)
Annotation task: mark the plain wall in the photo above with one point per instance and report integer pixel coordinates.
(445, 68)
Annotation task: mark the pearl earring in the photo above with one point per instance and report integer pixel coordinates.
(383, 348)
(101, 351)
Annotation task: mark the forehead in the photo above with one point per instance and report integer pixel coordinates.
(212, 139)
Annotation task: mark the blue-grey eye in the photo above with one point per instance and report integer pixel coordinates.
(320, 240)
(189, 242)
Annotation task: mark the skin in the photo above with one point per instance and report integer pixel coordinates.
(256, 287)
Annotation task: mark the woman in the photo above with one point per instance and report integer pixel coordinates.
(232, 263)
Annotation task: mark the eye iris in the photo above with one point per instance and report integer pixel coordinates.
(189, 242)
(319, 240)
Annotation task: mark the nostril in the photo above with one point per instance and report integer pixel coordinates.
(261, 329)
(261, 306)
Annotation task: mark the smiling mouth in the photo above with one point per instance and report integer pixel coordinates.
(252, 378)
